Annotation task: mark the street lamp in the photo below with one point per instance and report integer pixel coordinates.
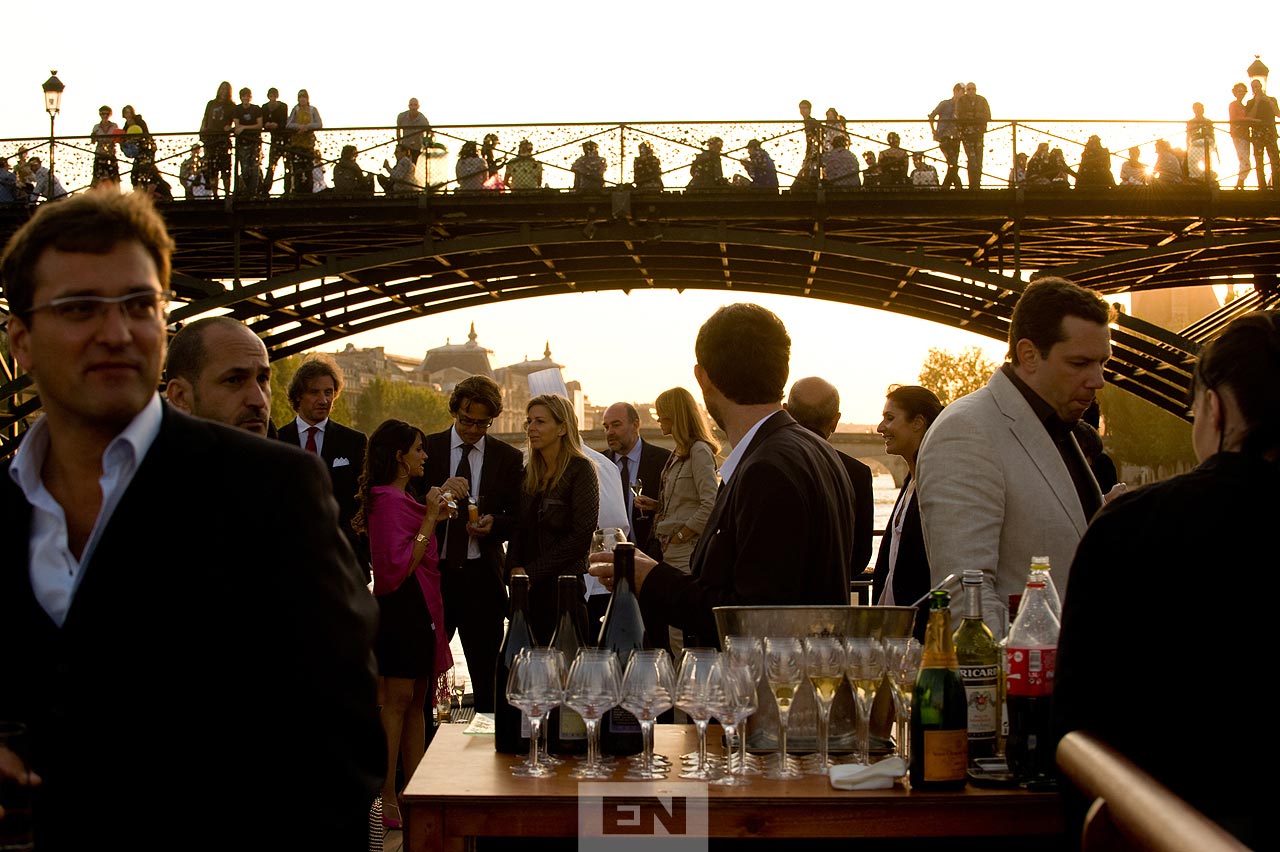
(52, 104)
(1258, 70)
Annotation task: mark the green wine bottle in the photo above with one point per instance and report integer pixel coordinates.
(979, 659)
(939, 711)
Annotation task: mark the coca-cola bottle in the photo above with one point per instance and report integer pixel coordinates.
(622, 633)
(1031, 654)
(1040, 568)
(510, 726)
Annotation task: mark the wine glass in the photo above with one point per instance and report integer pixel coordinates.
(637, 488)
(824, 665)
(594, 688)
(902, 661)
(784, 669)
(737, 703)
(648, 691)
(458, 686)
(606, 539)
(865, 666)
(697, 692)
(747, 653)
(535, 685)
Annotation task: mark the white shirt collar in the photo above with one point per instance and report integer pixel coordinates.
(303, 425)
(633, 454)
(739, 449)
(456, 442)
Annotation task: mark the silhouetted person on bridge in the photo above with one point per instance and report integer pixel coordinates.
(811, 168)
(471, 169)
(972, 115)
(947, 134)
(411, 127)
(215, 135)
(647, 169)
(840, 167)
(1200, 145)
(588, 170)
(523, 171)
(1095, 166)
(304, 121)
(760, 167)
(1238, 114)
(275, 117)
(1263, 110)
(706, 172)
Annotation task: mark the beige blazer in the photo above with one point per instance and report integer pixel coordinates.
(688, 495)
(993, 493)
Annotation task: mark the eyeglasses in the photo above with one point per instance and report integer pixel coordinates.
(463, 420)
(137, 307)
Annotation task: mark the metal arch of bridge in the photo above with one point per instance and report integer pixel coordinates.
(370, 291)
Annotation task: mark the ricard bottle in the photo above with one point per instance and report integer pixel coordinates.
(622, 632)
(1031, 653)
(567, 732)
(979, 659)
(939, 714)
(510, 725)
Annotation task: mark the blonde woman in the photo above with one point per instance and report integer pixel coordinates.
(559, 508)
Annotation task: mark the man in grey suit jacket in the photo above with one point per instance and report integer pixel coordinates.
(781, 529)
(178, 613)
(1000, 476)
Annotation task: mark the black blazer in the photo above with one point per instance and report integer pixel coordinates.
(779, 534)
(500, 480)
(340, 442)
(221, 632)
(911, 579)
(652, 460)
(863, 512)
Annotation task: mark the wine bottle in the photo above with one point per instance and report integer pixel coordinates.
(1031, 652)
(510, 725)
(568, 732)
(979, 659)
(622, 632)
(939, 714)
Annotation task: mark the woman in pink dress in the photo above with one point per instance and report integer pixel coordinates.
(410, 646)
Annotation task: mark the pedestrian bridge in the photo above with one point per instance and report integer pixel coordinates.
(305, 271)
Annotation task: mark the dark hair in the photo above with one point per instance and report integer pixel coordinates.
(1044, 305)
(806, 103)
(314, 367)
(915, 401)
(223, 85)
(1246, 359)
(89, 223)
(746, 352)
(187, 351)
(246, 91)
(349, 152)
(481, 389)
(467, 150)
(273, 92)
(381, 467)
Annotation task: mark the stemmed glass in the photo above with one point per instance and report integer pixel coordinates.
(902, 660)
(736, 702)
(458, 686)
(784, 669)
(535, 685)
(699, 688)
(865, 666)
(637, 488)
(594, 688)
(745, 653)
(606, 539)
(648, 691)
(824, 664)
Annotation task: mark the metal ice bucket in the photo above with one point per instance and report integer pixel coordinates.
(800, 621)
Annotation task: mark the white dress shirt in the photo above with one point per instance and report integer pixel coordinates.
(477, 465)
(740, 448)
(55, 571)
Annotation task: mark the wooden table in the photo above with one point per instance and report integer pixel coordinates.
(464, 789)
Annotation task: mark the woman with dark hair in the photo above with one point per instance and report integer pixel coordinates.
(215, 135)
(1095, 166)
(902, 568)
(472, 170)
(410, 646)
(1208, 533)
(559, 507)
(489, 153)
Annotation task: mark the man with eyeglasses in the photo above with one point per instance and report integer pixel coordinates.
(169, 582)
(467, 461)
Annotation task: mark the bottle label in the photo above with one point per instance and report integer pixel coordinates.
(571, 725)
(623, 721)
(946, 755)
(982, 690)
(1030, 671)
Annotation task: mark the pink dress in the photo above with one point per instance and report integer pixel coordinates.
(394, 519)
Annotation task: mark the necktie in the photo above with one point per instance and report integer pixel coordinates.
(456, 544)
(625, 473)
(311, 439)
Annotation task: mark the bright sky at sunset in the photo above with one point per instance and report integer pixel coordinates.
(504, 62)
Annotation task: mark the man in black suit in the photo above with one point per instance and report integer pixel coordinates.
(312, 391)
(637, 462)
(186, 636)
(780, 531)
(471, 556)
(815, 405)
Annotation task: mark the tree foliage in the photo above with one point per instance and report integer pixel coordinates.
(1142, 434)
(384, 400)
(951, 375)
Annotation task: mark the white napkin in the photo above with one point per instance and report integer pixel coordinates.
(877, 776)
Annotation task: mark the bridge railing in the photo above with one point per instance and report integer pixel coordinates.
(676, 144)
